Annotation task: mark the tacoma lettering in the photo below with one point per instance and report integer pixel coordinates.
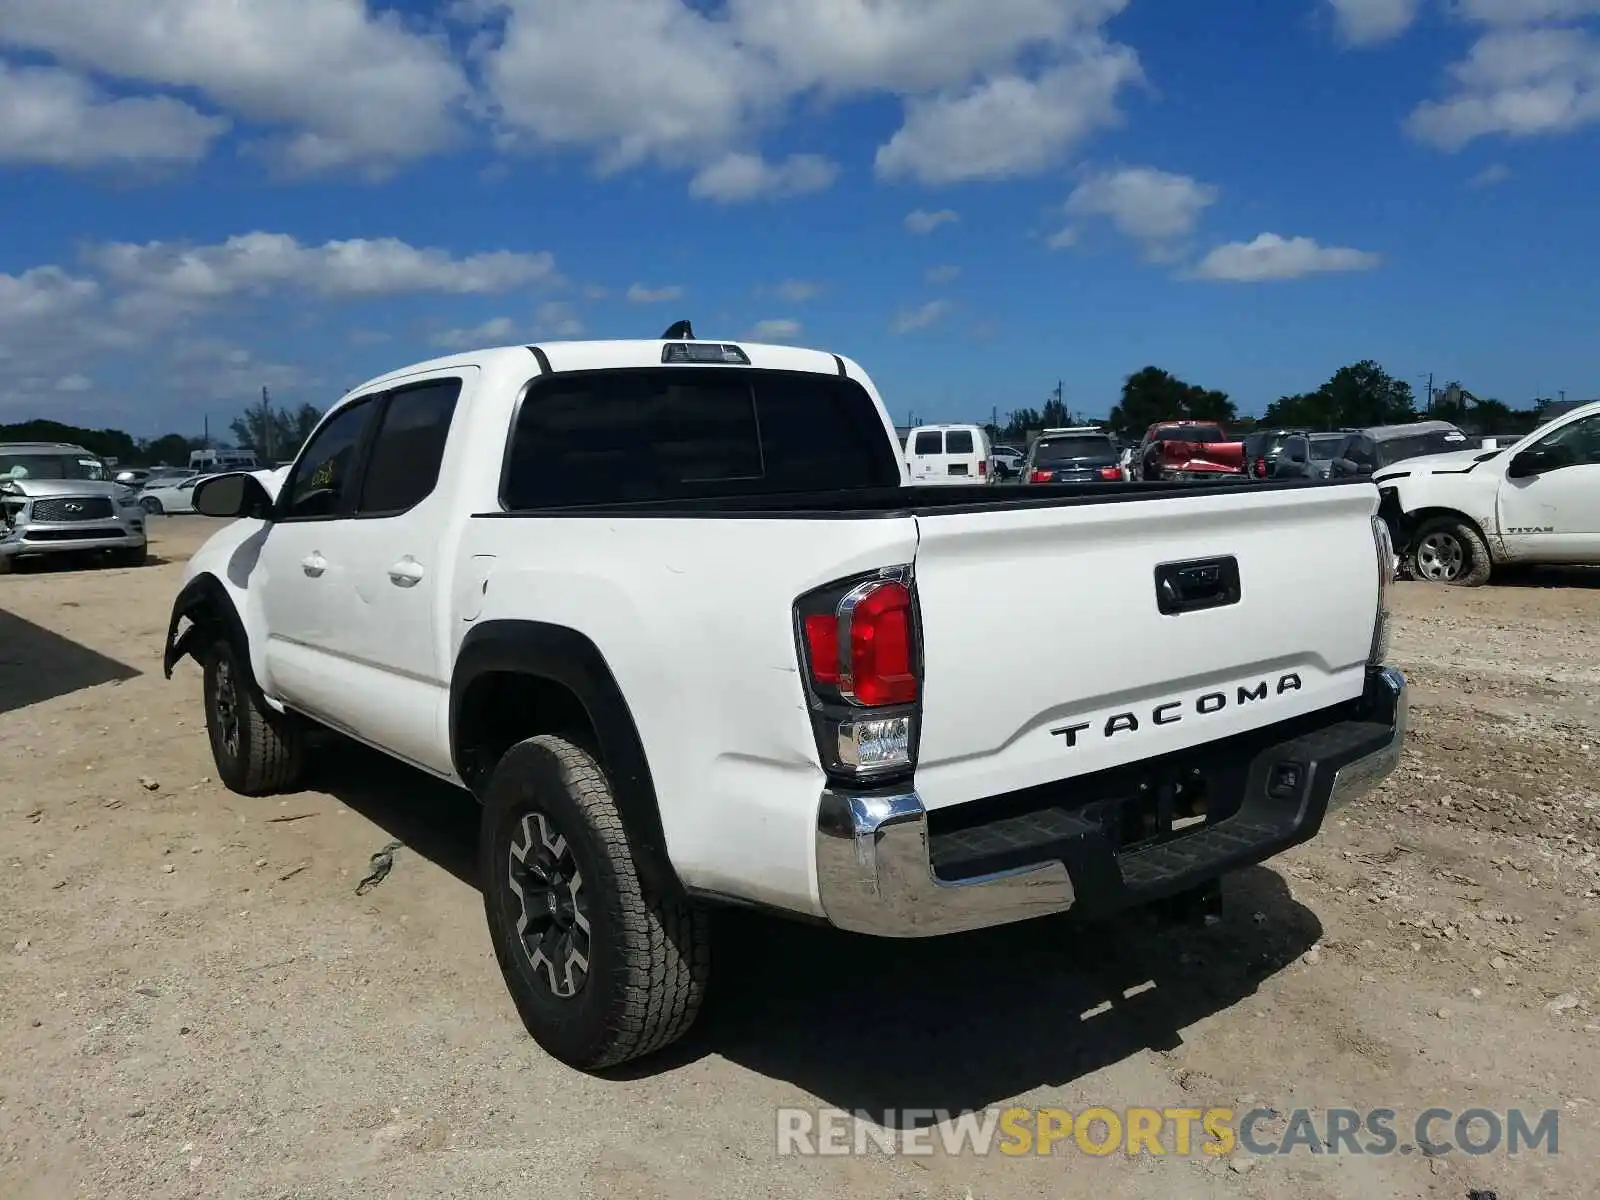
(1170, 712)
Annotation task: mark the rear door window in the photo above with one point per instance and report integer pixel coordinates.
(929, 441)
(403, 468)
(680, 433)
(958, 441)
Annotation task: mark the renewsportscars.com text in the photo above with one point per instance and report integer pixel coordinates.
(1169, 1131)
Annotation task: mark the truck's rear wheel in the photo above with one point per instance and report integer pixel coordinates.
(257, 751)
(1449, 550)
(599, 973)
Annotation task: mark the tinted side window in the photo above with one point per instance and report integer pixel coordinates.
(323, 472)
(1581, 439)
(404, 465)
(958, 441)
(606, 437)
(929, 442)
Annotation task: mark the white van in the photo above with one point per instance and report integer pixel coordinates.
(217, 461)
(948, 454)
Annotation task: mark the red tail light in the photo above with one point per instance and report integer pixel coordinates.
(876, 667)
(822, 648)
(983, 466)
(1110, 472)
(860, 657)
(1039, 476)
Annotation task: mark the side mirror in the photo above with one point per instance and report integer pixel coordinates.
(1538, 459)
(233, 495)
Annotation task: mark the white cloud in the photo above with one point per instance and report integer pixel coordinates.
(1492, 174)
(496, 331)
(638, 293)
(556, 319)
(931, 313)
(1010, 125)
(1148, 205)
(687, 83)
(1517, 83)
(255, 263)
(1367, 22)
(633, 79)
(1062, 239)
(907, 46)
(776, 329)
(1271, 257)
(1525, 12)
(43, 294)
(944, 273)
(56, 118)
(921, 222)
(739, 177)
(74, 383)
(345, 84)
(796, 291)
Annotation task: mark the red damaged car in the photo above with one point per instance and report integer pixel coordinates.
(1190, 450)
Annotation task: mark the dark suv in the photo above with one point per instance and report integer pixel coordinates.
(1073, 456)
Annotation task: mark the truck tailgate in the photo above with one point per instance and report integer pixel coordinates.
(1046, 653)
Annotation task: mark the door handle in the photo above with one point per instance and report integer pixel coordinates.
(406, 573)
(314, 564)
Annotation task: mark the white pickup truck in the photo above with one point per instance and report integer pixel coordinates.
(673, 613)
(1456, 517)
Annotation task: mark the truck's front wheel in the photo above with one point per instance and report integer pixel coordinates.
(1449, 550)
(257, 751)
(600, 973)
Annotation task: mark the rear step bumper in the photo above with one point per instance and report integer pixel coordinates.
(881, 871)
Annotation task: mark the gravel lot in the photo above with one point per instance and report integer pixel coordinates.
(194, 1002)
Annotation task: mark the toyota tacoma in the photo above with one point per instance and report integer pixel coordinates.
(673, 613)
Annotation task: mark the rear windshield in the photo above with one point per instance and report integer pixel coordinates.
(1265, 445)
(1326, 449)
(50, 466)
(681, 433)
(1191, 433)
(1063, 449)
(928, 442)
(958, 441)
(1443, 441)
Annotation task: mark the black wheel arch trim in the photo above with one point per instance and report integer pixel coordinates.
(562, 655)
(207, 605)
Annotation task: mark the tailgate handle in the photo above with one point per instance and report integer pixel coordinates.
(1196, 584)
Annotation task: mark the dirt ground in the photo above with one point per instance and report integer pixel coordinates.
(195, 1002)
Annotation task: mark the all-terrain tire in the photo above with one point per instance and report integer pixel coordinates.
(646, 961)
(1449, 550)
(266, 750)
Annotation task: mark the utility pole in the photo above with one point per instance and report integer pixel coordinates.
(1430, 393)
(266, 423)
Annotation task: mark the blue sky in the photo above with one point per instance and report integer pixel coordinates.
(974, 200)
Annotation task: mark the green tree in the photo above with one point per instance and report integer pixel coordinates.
(1020, 423)
(106, 443)
(1152, 395)
(1358, 395)
(274, 434)
(169, 450)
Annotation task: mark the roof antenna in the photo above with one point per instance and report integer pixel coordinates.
(681, 331)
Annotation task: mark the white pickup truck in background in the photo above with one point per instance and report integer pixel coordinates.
(673, 613)
(1456, 517)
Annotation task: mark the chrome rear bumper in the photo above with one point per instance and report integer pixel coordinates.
(875, 872)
